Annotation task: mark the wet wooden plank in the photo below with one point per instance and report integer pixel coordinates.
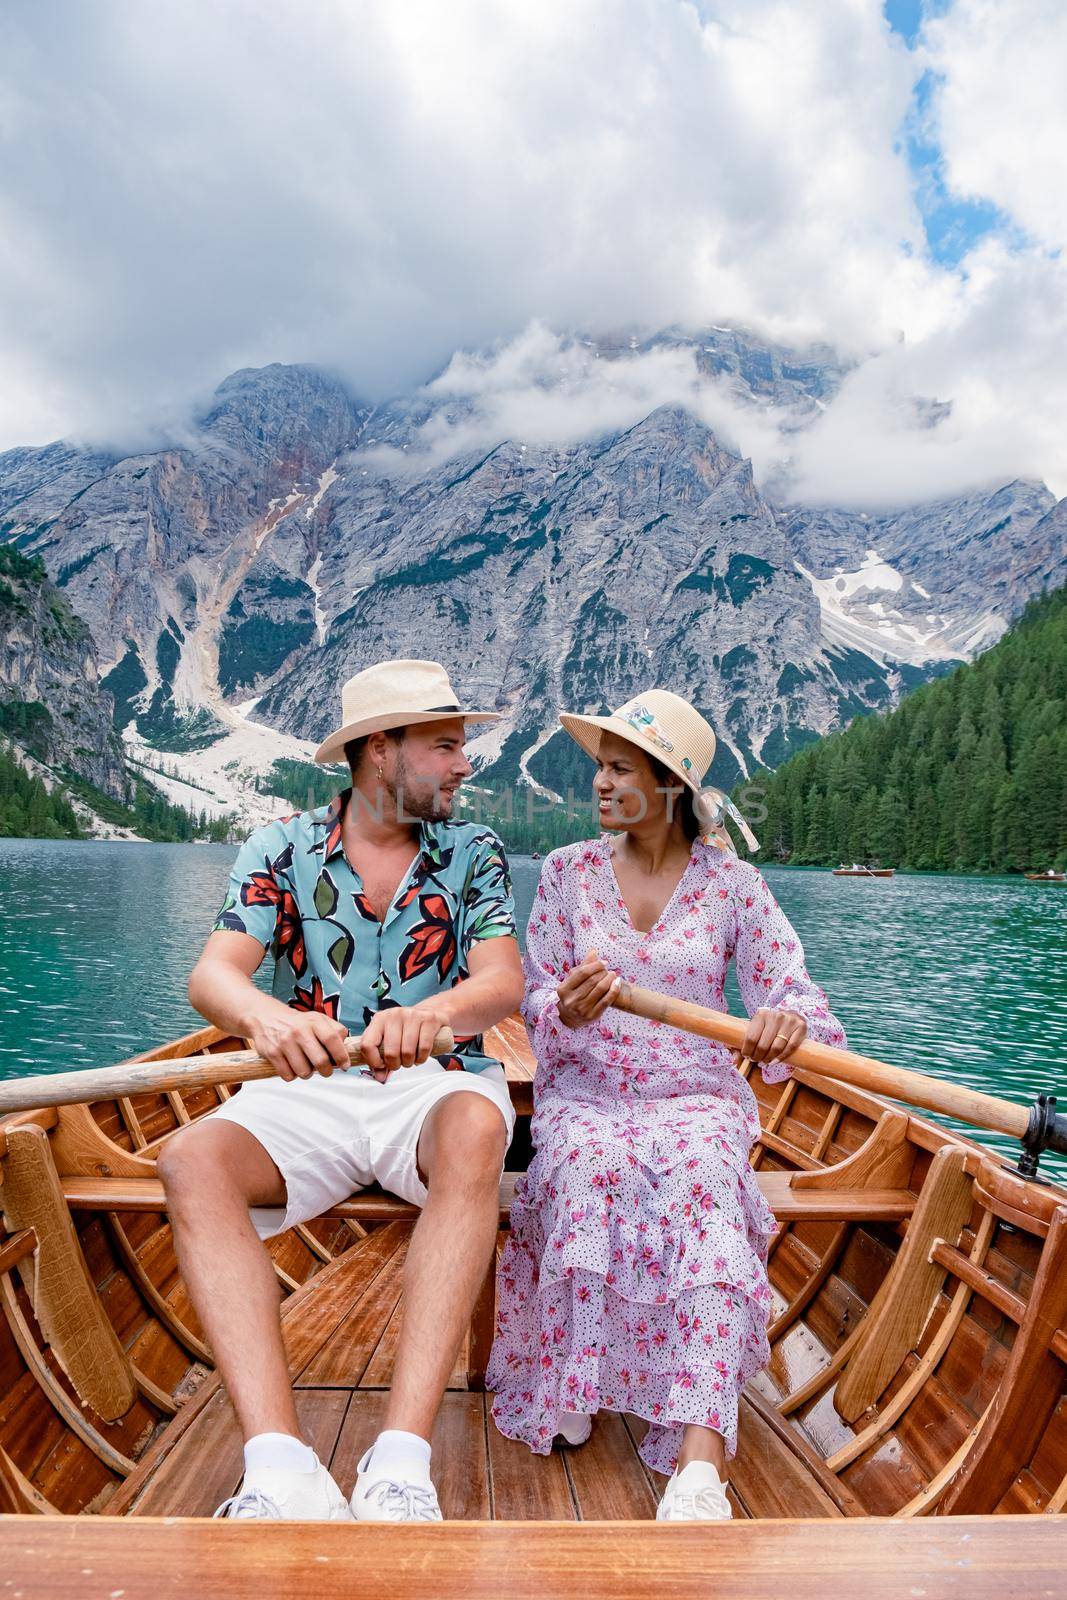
(322, 1415)
(979, 1558)
(382, 1363)
(769, 1479)
(206, 1465)
(364, 1420)
(379, 1373)
(607, 1477)
(345, 1353)
(460, 1459)
(361, 1352)
(526, 1487)
(334, 1291)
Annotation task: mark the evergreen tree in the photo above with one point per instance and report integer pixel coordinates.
(969, 773)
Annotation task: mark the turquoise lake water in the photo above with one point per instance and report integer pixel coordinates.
(963, 977)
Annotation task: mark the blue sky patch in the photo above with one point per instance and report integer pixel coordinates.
(953, 225)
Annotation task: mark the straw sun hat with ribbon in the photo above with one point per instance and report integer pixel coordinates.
(395, 694)
(668, 729)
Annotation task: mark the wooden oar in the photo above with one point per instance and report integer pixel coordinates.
(916, 1088)
(149, 1077)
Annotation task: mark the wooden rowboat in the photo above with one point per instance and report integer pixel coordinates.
(1046, 877)
(918, 1375)
(863, 872)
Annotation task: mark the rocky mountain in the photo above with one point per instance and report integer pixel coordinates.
(568, 577)
(51, 704)
(980, 557)
(233, 581)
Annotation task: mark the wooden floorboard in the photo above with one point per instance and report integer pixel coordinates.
(461, 1460)
(342, 1345)
(332, 1294)
(360, 1352)
(346, 1351)
(967, 1558)
(607, 1477)
(526, 1487)
(364, 1420)
(768, 1478)
(206, 1466)
(207, 1470)
(379, 1373)
(460, 1465)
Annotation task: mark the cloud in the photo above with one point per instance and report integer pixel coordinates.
(1000, 108)
(191, 187)
(911, 423)
(995, 355)
(187, 187)
(979, 401)
(544, 388)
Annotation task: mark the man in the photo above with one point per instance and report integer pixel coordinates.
(387, 919)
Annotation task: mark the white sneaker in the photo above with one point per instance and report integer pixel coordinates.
(379, 1497)
(573, 1429)
(273, 1494)
(696, 1494)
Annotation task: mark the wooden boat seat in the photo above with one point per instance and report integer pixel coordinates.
(788, 1202)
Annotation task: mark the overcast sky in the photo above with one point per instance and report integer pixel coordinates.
(190, 186)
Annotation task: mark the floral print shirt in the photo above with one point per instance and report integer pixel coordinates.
(292, 888)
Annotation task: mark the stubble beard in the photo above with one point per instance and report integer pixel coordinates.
(417, 801)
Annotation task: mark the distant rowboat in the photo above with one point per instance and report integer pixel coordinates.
(863, 872)
(1046, 877)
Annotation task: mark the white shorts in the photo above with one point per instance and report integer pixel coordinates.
(331, 1136)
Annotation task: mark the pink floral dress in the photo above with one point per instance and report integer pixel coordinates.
(635, 1274)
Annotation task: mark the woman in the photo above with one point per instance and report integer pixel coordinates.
(634, 1278)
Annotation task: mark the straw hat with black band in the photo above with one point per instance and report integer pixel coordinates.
(395, 694)
(668, 729)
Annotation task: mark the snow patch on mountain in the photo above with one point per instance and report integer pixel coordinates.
(854, 619)
(311, 578)
(328, 477)
(221, 779)
(527, 756)
(483, 749)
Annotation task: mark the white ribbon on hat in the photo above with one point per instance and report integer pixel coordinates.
(712, 807)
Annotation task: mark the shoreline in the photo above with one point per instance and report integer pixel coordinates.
(524, 855)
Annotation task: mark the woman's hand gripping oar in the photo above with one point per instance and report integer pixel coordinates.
(899, 1083)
